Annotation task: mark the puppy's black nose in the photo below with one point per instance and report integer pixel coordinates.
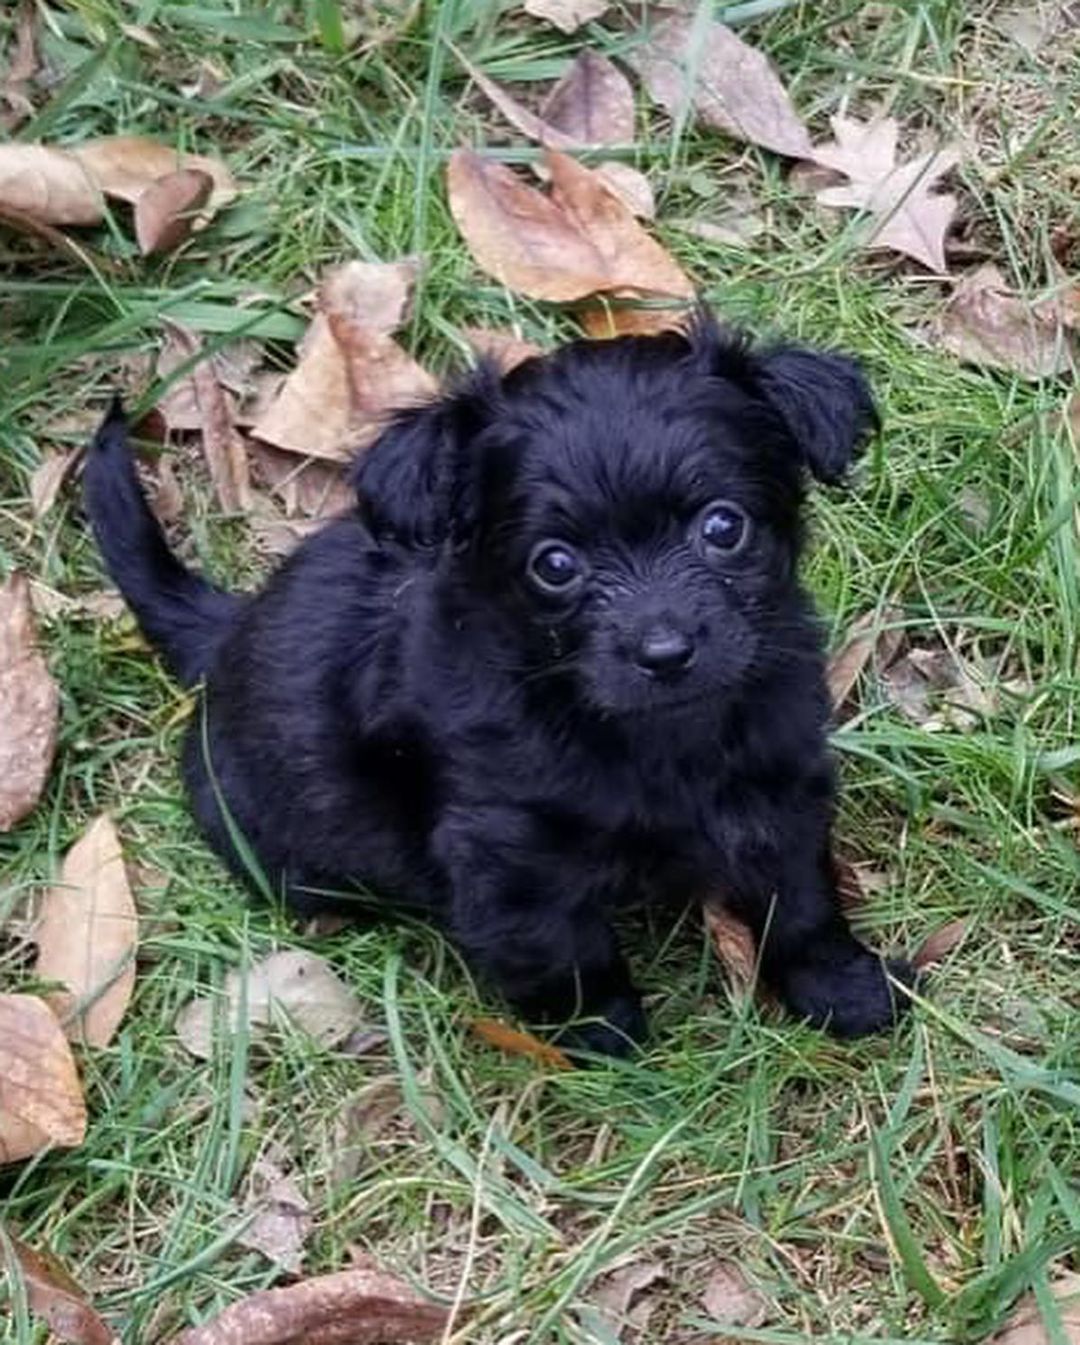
(662, 650)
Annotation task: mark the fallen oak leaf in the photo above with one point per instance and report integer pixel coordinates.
(58, 1299)
(1027, 1325)
(167, 211)
(728, 85)
(350, 374)
(296, 986)
(41, 1099)
(126, 166)
(86, 933)
(938, 945)
(578, 97)
(515, 1042)
(49, 185)
(906, 216)
(735, 948)
(222, 444)
(729, 1298)
(578, 241)
(349, 1307)
(986, 323)
(566, 15)
(29, 706)
(48, 479)
(875, 634)
(506, 348)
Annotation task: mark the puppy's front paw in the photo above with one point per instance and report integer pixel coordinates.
(849, 996)
(616, 1028)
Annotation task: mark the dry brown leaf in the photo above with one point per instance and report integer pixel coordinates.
(29, 706)
(363, 1117)
(515, 1042)
(1026, 1325)
(707, 70)
(735, 947)
(604, 321)
(125, 166)
(938, 945)
(939, 688)
(506, 348)
(223, 445)
(986, 323)
(305, 486)
(14, 87)
(48, 184)
(868, 636)
(906, 215)
(41, 1100)
(86, 934)
(588, 100)
(58, 1299)
(294, 986)
(167, 211)
(351, 1307)
(99, 606)
(593, 103)
(579, 240)
(282, 1217)
(731, 1300)
(47, 480)
(618, 1292)
(350, 374)
(567, 15)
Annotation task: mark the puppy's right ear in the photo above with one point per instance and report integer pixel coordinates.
(418, 483)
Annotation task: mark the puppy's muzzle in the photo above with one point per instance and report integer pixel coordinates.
(663, 651)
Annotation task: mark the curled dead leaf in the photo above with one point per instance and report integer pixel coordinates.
(86, 934)
(506, 348)
(938, 945)
(29, 706)
(48, 479)
(986, 323)
(578, 241)
(282, 1216)
(729, 1298)
(125, 166)
(41, 1099)
(166, 212)
(1027, 1325)
(48, 184)
(515, 1042)
(293, 986)
(708, 71)
(735, 948)
(593, 103)
(875, 634)
(566, 15)
(58, 1299)
(351, 1307)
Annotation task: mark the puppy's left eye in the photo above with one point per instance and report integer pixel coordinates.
(555, 569)
(722, 528)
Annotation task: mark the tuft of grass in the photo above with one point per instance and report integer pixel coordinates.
(905, 1188)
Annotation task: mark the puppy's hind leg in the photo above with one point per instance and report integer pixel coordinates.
(523, 921)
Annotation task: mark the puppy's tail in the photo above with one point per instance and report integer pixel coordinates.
(183, 615)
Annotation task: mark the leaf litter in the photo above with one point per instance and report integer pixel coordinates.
(291, 987)
(87, 933)
(365, 1306)
(282, 1218)
(707, 71)
(906, 214)
(566, 15)
(29, 706)
(41, 1098)
(58, 1299)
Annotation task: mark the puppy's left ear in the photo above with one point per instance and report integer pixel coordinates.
(824, 401)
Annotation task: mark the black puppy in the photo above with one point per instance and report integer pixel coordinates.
(558, 660)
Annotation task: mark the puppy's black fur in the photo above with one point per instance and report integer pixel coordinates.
(557, 660)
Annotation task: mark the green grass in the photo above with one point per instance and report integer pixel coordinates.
(904, 1188)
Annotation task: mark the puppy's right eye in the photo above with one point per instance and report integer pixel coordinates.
(555, 569)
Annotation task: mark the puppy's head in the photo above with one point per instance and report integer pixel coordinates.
(627, 512)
